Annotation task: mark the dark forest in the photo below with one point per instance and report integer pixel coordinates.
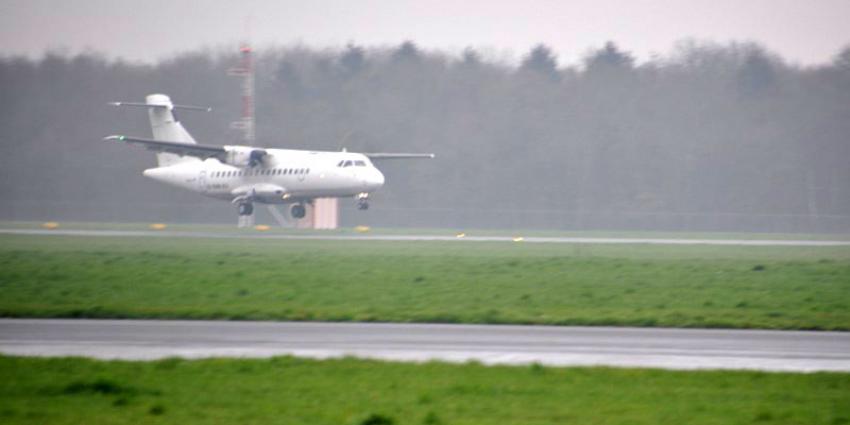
(709, 137)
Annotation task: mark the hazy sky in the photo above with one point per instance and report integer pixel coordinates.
(802, 31)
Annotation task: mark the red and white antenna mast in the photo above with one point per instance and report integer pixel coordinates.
(245, 70)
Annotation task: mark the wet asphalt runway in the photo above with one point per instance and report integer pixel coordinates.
(561, 346)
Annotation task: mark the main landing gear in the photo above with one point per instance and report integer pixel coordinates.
(246, 208)
(246, 214)
(298, 211)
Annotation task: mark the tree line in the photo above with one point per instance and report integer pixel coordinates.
(707, 137)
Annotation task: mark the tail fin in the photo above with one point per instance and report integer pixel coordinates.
(165, 125)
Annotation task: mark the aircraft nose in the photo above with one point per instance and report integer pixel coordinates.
(374, 179)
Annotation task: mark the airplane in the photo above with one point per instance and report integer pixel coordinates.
(245, 175)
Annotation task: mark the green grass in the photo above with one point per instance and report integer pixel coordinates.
(285, 390)
(451, 282)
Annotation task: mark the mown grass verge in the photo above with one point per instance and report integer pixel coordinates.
(287, 390)
(449, 282)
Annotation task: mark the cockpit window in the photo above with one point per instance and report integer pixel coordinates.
(347, 164)
(360, 163)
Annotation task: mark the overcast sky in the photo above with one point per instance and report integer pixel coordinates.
(804, 32)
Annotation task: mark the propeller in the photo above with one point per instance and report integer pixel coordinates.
(256, 157)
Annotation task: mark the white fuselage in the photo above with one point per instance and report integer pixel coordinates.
(285, 176)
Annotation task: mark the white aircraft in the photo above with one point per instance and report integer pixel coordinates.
(245, 175)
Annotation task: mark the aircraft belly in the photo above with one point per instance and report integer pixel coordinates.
(295, 188)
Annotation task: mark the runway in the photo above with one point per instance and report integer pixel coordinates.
(413, 238)
(560, 346)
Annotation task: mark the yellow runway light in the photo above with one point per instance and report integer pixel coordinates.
(50, 225)
(262, 227)
(461, 235)
(518, 239)
(157, 226)
(361, 229)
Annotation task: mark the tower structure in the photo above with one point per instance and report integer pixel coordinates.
(245, 71)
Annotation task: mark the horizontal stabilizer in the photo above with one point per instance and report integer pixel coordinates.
(163, 106)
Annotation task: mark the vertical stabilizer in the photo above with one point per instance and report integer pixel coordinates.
(165, 127)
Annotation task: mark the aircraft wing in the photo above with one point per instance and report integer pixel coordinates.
(374, 156)
(184, 149)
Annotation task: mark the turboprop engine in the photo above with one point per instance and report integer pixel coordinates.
(244, 156)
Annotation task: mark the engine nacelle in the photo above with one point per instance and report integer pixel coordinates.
(244, 156)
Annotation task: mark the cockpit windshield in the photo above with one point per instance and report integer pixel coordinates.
(350, 163)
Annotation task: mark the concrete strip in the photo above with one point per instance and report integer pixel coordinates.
(561, 346)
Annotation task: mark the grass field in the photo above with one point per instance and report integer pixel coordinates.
(286, 390)
(469, 282)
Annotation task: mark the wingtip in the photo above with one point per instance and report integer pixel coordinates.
(116, 137)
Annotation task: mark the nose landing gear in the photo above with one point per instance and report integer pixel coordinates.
(363, 201)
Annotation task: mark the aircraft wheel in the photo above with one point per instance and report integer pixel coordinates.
(246, 209)
(298, 211)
